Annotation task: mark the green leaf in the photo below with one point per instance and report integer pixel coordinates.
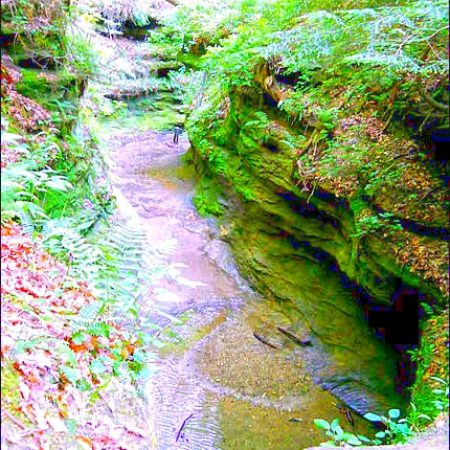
(322, 424)
(353, 440)
(334, 424)
(58, 184)
(380, 435)
(97, 366)
(69, 354)
(363, 438)
(373, 417)
(100, 329)
(78, 337)
(394, 413)
(440, 380)
(83, 385)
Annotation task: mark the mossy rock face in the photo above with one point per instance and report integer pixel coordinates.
(160, 112)
(258, 167)
(321, 224)
(311, 293)
(190, 60)
(303, 248)
(48, 87)
(41, 45)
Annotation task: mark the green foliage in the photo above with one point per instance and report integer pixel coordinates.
(315, 41)
(24, 191)
(45, 31)
(416, 418)
(110, 264)
(338, 436)
(384, 223)
(194, 28)
(397, 430)
(206, 199)
(257, 126)
(81, 56)
(136, 11)
(114, 262)
(32, 190)
(429, 394)
(443, 393)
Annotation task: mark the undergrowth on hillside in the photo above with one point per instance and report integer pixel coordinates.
(70, 282)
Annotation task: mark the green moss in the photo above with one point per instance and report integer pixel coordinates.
(172, 65)
(55, 91)
(36, 82)
(159, 112)
(206, 199)
(190, 60)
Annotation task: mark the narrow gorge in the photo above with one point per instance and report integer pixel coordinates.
(241, 212)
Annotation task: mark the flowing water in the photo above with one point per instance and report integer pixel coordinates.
(224, 378)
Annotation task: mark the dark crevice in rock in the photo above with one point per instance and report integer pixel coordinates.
(302, 207)
(405, 366)
(163, 72)
(436, 144)
(135, 32)
(290, 79)
(128, 29)
(38, 62)
(7, 39)
(271, 147)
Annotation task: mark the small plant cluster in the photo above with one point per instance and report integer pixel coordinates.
(396, 430)
(384, 223)
(205, 199)
(40, 182)
(430, 393)
(338, 436)
(443, 392)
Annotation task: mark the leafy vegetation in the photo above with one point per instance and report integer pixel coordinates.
(396, 430)
(338, 435)
(69, 295)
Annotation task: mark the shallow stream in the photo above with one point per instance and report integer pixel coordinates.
(226, 377)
